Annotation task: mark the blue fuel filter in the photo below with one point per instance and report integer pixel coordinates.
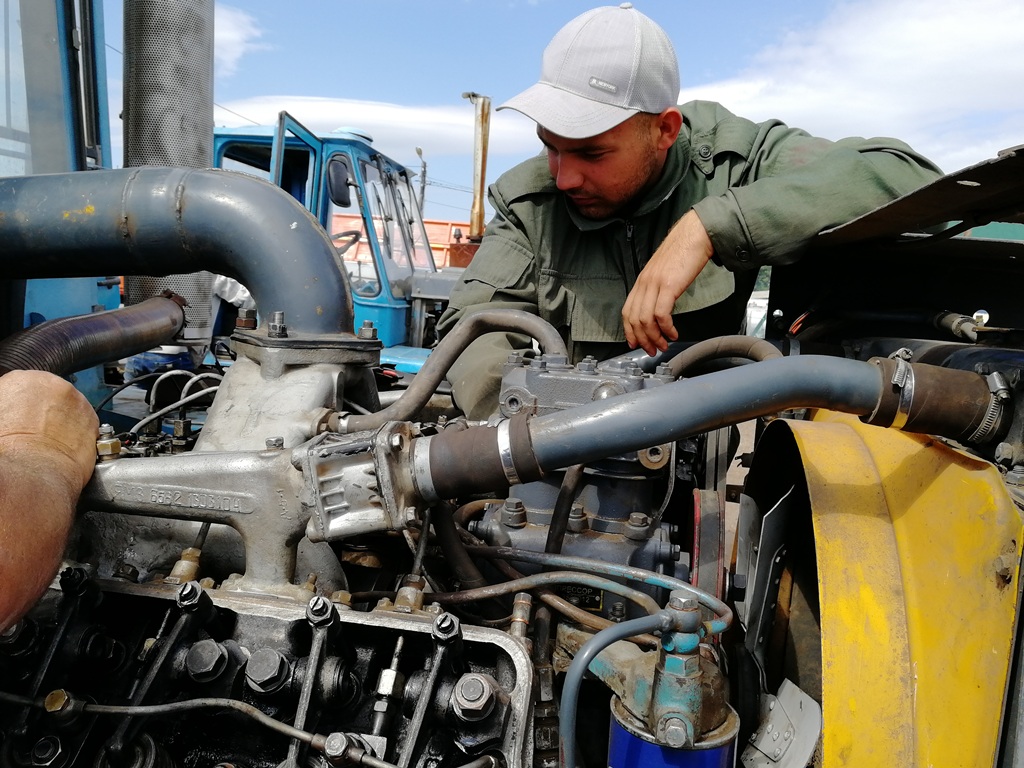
(629, 748)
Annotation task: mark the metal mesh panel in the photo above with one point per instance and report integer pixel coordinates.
(168, 120)
(168, 83)
(196, 289)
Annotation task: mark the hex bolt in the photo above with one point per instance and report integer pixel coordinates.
(276, 328)
(680, 601)
(396, 442)
(367, 332)
(189, 594)
(206, 660)
(513, 515)
(266, 670)
(676, 734)
(446, 627)
(319, 611)
(126, 572)
(473, 698)
(335, 746)
(275, 443)
(639, 520)
(246, 320)
(578, 518)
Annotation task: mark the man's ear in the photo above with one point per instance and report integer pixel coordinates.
(669, 123)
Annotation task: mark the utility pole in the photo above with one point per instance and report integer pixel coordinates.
(482, 123)
(423, 176)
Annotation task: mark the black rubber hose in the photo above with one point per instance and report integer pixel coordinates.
(70, 344)
(454, 550)
(563, 506)
(748, 347)
(468, 329)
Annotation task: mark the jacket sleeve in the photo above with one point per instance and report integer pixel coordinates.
(502, 275)
(791, 186)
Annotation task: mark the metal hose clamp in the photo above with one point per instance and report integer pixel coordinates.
(903, 379)
(505, 453)
(1000, 389)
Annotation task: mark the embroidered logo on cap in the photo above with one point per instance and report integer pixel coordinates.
(603, 85)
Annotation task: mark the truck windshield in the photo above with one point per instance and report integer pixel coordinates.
(422, 256)
(389, 228)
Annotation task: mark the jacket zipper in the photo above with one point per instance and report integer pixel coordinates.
(632, 251)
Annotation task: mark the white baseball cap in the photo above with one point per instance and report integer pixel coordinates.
(600, 69)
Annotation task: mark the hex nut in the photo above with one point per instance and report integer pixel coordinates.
(108, 448)
(474, 696)
(390, 683)
(47, 751)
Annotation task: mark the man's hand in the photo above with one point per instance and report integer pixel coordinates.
(41, 412)
(647, 313)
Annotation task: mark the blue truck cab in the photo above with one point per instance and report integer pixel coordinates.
(365, 201)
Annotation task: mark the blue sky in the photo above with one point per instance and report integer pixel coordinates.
(943, 75)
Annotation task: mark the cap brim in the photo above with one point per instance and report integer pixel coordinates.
(567, 114)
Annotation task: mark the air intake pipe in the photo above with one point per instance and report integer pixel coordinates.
(159, 221)
(926, 399)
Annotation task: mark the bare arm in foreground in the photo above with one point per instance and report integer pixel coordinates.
(47, 453)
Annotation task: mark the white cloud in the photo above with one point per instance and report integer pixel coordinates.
(940, 74)
(236, 33)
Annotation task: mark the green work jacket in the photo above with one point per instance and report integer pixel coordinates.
(762, 191)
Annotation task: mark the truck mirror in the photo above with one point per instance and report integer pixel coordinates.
(338, 176)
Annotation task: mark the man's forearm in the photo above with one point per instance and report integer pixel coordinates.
(37, 504)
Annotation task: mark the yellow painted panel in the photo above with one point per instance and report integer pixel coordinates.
(949, 521)
(867, 687)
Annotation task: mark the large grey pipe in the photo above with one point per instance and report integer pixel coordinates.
(159, 221)
(953, 403)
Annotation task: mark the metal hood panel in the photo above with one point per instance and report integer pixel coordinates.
(989, 191)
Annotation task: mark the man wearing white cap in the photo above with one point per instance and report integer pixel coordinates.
(644, 222)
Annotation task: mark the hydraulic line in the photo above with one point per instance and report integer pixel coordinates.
(552, 578)
(599, 567)
(316, 741)
(177, 706)
(446, 353)
(572, 612)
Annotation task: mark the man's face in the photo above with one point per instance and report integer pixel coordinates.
(603, 174)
